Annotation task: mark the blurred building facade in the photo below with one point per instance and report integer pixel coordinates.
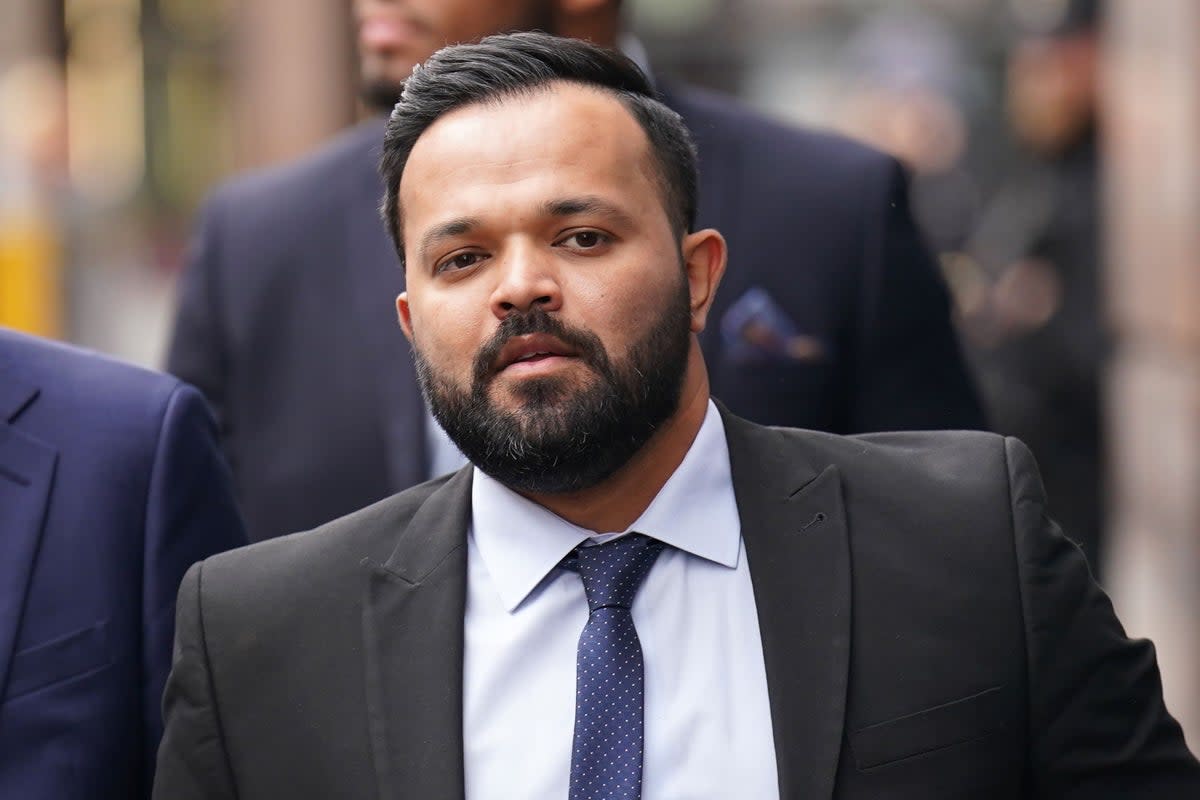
(117, 116)
(31, 109)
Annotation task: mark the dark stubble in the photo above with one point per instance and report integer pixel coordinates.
(565, 437)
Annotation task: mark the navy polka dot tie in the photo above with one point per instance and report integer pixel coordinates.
(606, 759)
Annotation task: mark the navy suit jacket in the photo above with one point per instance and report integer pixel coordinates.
(111, 486)
(287, 321)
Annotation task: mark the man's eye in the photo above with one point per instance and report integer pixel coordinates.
(586, 240)
(460, 261)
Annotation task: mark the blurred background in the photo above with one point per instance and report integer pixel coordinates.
(1053, 146)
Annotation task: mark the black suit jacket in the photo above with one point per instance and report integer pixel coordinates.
(927, 633)
(287, 321)
(111, 486)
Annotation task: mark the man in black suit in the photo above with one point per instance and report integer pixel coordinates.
(833, 316)
(111, 486)
(632, 593)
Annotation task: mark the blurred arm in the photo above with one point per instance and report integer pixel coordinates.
(1098, 724)
(192, 761)
(909, 372)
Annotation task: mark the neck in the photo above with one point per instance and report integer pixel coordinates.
(614, 504)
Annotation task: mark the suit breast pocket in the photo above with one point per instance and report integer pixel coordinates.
(65, 657)
(933, 729)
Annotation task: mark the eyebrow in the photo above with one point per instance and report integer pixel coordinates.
(446, 230)
(588, 204)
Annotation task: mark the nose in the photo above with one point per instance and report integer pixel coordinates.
(527, 278)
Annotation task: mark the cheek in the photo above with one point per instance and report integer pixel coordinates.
(448, 337)
(618, 305)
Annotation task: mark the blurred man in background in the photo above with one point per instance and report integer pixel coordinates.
(832, 315)
(111, 486)
(907, 91)
(1040, 336)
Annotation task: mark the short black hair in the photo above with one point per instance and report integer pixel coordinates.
(509, 65)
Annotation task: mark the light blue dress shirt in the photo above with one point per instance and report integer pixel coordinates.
(708, 727)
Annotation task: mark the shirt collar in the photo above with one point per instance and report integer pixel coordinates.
(520, 542)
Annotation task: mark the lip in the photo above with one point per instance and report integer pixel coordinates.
(383, 32)
(547, 352)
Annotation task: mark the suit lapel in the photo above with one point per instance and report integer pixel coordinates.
(413, 634)
(26, 474)
(375, 281)
(794, 527)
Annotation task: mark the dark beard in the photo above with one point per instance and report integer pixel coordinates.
(566, 438)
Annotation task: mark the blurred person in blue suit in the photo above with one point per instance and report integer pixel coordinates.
(111, 486)
(833, 316)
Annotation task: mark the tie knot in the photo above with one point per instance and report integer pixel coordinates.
(613, 571)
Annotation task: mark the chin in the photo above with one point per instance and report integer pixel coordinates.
(541, 390)
(379, 87)
(530, 395)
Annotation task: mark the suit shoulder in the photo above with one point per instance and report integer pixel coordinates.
(933, 444)
(307, 181)
(79, 379)
(703, 108)
(944, 492)
(309, 563)
(924, 464)
(102, 416)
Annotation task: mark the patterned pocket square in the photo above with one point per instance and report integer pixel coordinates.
(756, 329)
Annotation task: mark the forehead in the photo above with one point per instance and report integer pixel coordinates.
(561, 139)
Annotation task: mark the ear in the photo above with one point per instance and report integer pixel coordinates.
(404, 315)
(704, 255)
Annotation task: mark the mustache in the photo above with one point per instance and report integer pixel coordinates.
(587, 345)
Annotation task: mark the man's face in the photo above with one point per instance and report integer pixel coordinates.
(548, 301)
(1052, 91)
(395, 35)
